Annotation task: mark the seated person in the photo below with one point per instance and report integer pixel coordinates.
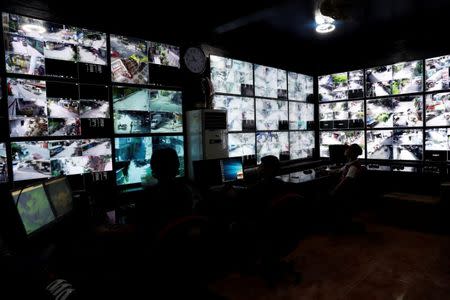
(352, 170)
(169, 199)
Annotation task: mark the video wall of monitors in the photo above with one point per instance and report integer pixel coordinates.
(269, 110)
(405, 113)
(68, 102)
(133, 156)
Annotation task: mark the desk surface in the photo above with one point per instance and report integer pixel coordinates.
(304, 176)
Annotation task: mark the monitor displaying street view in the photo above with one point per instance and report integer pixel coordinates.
(163, 54)
(437, 111)
(129, 60)
(272, 115)
(43, 159)
(3, 163)
(302, 144)
(404, 111)
(300, 87)
(60, 195)
(231, 76)
(341, 86)
(328, 138)
(138, 110)
(400, 78)
(36, 47)
(301, 115)
(408, 144)
(240, 111)
(241, 144)
(40, 108)
(272, 143)
(73, 157)
(437, 139)
(338, 115)
(94, 102)
(270, 82)
(132, 157)
(437, 73)
(33, 207)
(380, 144)
(30, 160)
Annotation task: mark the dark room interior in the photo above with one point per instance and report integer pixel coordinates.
(225, 150)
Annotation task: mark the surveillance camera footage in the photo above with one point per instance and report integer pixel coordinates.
(270, 82)
(328, 138)
(133, 157)
(272, 143)
(300, 87)
(341, 115)
(380, 144)
(437, 73)
(37, 47)
(3, 163)
(301, 116)
(271, 114)
(437, 139)
(94, 102)
(138, 110)
(129, 60)
(408, 144)
(43, 159)
(437, 111)
(302, 144)
(240, 111)
(163, 54)
(241, 144)
(231, 76)
(341, 86)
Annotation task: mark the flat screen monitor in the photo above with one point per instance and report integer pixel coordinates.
(241, 144)
(272, 143)
(301, 116)
(380, 144)
(437, 111)
(347, 137)
(272, 114)
(341, 115)
(302, 144)
(164, 54)
(337, 153)
(60, 195)
(34, 208)
(231, 169)
(437, 73)
(300, 87)
(240, 111)
(408, 144)
(129, 60)
(341, 86)
(3, 163)
(133, 154)
(231, 76)
(437, 144)
(270, 82)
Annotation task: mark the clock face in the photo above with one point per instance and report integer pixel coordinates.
(195, 60)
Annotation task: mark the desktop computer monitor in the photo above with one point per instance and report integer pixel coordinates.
(231, 169)
(34, 208)
(337, 153)
(60, 195)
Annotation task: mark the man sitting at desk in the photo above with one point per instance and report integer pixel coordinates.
(352, 170)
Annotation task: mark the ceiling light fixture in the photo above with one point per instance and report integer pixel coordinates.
(324, 24)
(325, 28)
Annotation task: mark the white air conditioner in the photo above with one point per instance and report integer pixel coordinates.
(207, 136)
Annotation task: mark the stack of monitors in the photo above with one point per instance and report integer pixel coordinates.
(269, 110)
(36, 47)
(44, 159)
(42, 204)
(341, 109)
(133, 154)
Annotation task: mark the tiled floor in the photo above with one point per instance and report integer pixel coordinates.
(385, 263)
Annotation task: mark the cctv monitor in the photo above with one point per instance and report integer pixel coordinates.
(60, 195)
(34, 208)
(231, 169)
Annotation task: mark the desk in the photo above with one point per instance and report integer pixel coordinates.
(305, 176)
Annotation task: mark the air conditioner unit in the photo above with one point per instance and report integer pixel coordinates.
(207, 136)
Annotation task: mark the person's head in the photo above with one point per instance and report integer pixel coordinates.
(165, 164)
(353, 151)
(269, 167)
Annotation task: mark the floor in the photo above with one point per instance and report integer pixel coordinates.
(384, 263)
